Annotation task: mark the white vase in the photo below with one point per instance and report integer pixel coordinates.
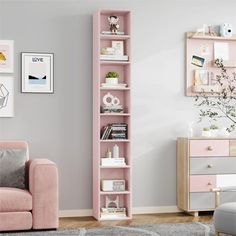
(112, 81)
(206, 133)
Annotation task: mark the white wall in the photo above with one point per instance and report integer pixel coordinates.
(59, 126)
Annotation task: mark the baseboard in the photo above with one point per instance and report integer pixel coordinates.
(136, 210)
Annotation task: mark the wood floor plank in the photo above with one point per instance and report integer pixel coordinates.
(76, 222)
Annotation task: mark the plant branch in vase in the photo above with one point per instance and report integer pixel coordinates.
(214, 106)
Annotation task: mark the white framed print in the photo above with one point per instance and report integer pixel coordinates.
(119, 47)
(37, 72)
(6, 56)
(6, 96)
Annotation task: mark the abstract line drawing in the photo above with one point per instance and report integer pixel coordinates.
(4, 94)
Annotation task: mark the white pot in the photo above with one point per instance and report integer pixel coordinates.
(206, 133)
(112, 80)
(214, 132)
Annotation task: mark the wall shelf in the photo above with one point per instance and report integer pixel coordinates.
(103, 120)
(201, 71)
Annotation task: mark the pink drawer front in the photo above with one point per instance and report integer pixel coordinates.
(209, 148)
(202, 183)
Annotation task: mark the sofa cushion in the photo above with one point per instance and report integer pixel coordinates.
(14, 199)
(12, 168)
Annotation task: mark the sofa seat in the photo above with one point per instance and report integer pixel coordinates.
(15, 200)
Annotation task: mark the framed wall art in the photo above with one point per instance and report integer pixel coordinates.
(6, 56)
(37, 73)
(6, 96)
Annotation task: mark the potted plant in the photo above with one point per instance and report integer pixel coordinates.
(112, 77)
(206, 132)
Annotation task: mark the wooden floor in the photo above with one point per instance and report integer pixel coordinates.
(137, 220)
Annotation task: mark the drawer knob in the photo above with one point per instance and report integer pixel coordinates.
(209, 184)
(210, 148)
(209, 166)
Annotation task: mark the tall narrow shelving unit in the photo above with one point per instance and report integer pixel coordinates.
(101, 120)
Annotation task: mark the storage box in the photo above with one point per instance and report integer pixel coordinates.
(113, 185)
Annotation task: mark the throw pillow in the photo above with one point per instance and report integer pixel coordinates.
(12, 168)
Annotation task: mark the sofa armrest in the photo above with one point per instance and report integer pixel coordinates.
(43, 185)
(221, 189)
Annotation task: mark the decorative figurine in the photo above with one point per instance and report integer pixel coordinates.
(113, 21)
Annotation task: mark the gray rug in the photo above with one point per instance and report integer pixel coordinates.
(180, 229)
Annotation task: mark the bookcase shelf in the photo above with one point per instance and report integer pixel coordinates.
(115, 141)
(115, 89)
(115, 167)
(115, 114)
(105, 125)
(114, 62)
(114, 193)
(114, 37)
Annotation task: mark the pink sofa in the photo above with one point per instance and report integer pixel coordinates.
(35, 207)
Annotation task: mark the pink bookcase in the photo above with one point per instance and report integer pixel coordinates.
(101, 120)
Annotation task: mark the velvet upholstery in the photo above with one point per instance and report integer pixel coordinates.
(35, 207)
(10, 221)
(14, 199)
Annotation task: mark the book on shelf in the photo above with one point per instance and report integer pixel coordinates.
(113, 213)
(114, 57)
(113, 161)
(114, 131)
(112, 109)
(110, 33)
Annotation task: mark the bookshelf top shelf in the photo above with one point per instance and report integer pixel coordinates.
(193, 35)
(114, 12)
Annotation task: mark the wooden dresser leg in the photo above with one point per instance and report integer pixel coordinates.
(194, 213)
(217, 233)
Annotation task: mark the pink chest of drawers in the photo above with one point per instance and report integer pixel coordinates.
(203, 164)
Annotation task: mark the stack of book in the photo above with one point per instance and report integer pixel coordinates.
(113, 212)
(113, 161)
(112, 109)
(114, 131)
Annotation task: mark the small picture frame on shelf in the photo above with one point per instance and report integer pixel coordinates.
(6, 56)
(119, 47)
(37, 72)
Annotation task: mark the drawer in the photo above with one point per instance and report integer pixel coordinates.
(208, 166)
(209, 148)
(202, 183)
(201, 201)
(206, 201)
